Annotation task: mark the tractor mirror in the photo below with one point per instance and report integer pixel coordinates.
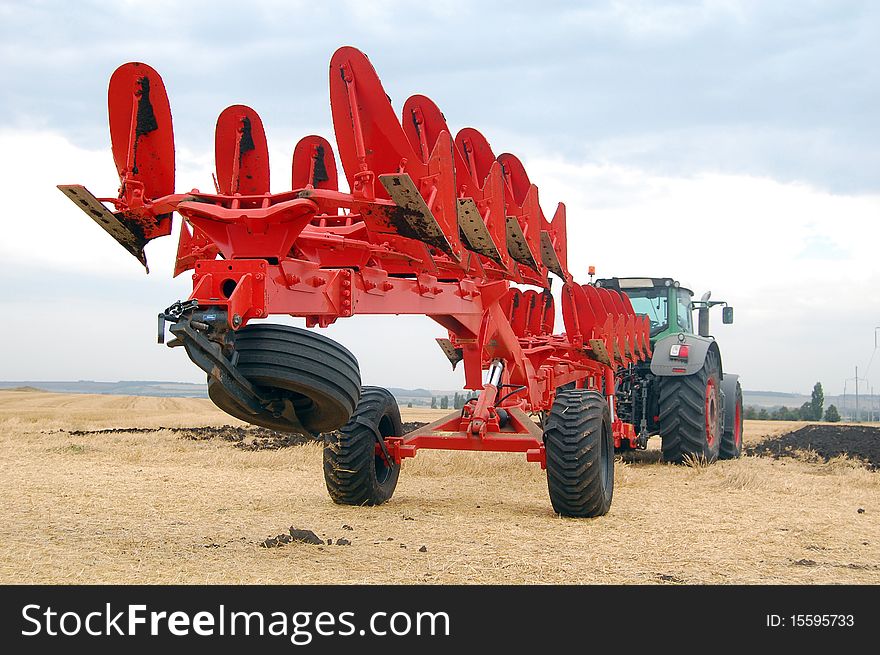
(727, 315)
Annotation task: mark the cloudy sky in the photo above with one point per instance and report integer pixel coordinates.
(732, 145)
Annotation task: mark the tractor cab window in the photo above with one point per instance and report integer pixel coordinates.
(685, 313)
(653, 303)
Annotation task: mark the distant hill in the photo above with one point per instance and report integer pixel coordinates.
(418, 397)
(869, 406)
(121, 388)
(773, 399)
(410, 393)
(172, 389)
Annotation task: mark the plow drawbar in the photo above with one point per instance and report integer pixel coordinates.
(432, 224)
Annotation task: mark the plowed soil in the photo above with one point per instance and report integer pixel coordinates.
(860, 442)
(245, 437)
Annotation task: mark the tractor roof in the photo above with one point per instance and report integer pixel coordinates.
(633, 283)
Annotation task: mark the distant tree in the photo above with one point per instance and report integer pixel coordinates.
(831, 414)
(763, 415)
(457, 401)
(817, 402)
(750, 412)
(785, 414)
(433, 402)
(409, 404)
(806, 412)
(444, 402)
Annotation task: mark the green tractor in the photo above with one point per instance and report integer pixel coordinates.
(683, 394)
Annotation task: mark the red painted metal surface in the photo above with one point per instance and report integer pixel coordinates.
(433, 224)
(142, 139)
(241, 153)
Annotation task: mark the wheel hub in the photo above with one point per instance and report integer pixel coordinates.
(737, 426)
(711, 412)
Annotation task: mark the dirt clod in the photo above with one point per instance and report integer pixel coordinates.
(305, 536)
(423, 549)
(861, 510)
(343, 542)
(804, 562)
(347, 527)
(275, 542)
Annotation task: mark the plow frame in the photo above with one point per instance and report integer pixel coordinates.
(533, 365)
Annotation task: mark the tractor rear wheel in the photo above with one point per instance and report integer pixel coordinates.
(318, 375)
(580, 454)
(732, 438)
(354, 472)
(690, 414)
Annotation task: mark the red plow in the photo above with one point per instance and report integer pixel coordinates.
(432, 224)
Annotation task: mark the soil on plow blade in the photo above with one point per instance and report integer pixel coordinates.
(246, 438)
(827, 441)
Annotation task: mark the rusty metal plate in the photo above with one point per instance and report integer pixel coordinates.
(476, 234)
(453, 354)
(129, 236)
(600, 351)
(414, 220)
(516, 244)
(549, 256)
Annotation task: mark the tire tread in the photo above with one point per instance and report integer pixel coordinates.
(349, 455)
(682, 408)
(574, 426)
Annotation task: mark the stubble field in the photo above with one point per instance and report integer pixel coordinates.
(92, 491)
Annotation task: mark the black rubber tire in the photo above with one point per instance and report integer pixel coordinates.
(320, 376)
(686, 432)
(731, 439)
(353, 472)
(580, 454)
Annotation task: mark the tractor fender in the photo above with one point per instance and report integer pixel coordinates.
(662, 365)
(728, 393)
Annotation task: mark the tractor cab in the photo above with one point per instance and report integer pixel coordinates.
(666, 303)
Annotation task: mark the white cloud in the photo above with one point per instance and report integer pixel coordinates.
(642, 20)
(41, 226)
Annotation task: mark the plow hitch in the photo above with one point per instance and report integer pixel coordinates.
(208, 342)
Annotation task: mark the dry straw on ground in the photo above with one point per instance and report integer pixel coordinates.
(152, 507)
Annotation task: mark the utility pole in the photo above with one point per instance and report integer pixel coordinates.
(857, 395)
(871, 361)
(872, 403)
(868, 370)
(856, 416)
